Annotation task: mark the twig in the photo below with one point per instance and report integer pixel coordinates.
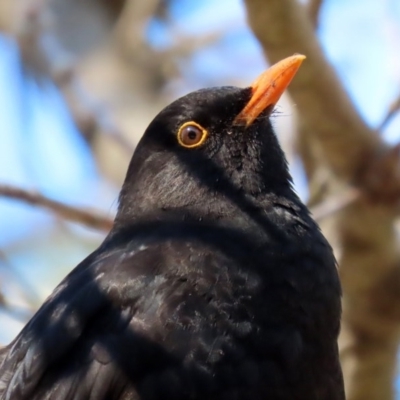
(89, 114)
(2, 300)
(334, 204)
(46, 56)
(393, 110)
(314, 8)
(20, 314)
(92, 219)
(29, 292)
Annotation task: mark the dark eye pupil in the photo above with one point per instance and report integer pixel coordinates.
(192, 134)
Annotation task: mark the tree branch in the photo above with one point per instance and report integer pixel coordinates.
(322, 102)
(91, 219)
(334, 204)
(314, 8)
(393, 110)
(90, 116)
(28, 291)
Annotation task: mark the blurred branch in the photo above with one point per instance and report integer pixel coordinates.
(283, 28)
(130, 27)
(126, 51)
(44, 56)
(160, 65)
(115, 7)
(88, 218)
(20, 314)
(334, 204)
(28, 291)
(89, 116)
(314, 8)
(393, 110)
(2, 300)
(32, 18)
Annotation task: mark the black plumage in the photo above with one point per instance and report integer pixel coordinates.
(214, 283)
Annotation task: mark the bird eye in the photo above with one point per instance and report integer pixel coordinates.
(191, 135)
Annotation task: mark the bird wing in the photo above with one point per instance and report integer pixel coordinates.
(107, 325)
(67, 350)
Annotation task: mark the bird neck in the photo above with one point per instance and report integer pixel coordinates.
(212, 211)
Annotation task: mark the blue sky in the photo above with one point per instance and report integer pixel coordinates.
(39, 144)
(363, 43)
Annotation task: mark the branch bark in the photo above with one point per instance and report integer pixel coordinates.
(314, 8)
(393, 110)
(91, 219)
(283, 28)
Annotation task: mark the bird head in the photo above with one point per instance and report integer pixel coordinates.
(210, 146)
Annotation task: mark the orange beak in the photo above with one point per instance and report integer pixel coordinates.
(268, 88)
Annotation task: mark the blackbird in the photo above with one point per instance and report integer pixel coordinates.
(214, 282)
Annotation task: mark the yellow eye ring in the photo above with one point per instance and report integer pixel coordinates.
(191, 135)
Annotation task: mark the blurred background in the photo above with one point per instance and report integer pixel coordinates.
(81, 79)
